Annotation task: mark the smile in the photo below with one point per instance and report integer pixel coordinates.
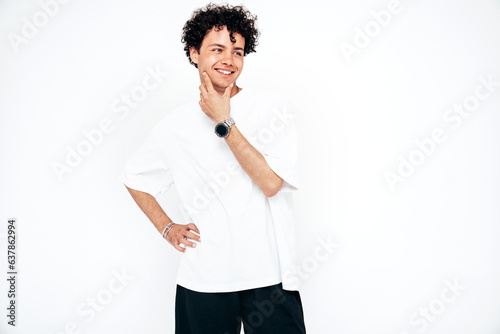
(225, 72)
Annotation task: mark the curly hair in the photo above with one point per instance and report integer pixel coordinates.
(235, 18)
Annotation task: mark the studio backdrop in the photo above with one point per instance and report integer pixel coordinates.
(397, 108)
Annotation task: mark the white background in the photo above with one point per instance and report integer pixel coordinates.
(357, 119)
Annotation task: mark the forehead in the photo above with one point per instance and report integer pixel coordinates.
(222, 37)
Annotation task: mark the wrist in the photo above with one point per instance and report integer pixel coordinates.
(162, 224)
(167, 229)
(223, 128)
(221, 119)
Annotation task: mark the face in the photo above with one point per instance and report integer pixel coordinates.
(222, 60)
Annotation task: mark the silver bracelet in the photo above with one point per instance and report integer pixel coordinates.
(167, 229)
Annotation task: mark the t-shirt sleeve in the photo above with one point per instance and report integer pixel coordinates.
(278, 136)
(147, 170)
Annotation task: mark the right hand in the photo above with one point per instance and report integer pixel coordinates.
(179, 234)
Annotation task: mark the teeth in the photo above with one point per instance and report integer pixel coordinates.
(224, 72)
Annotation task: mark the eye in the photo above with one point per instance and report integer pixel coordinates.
(216, 50)
(238, 53)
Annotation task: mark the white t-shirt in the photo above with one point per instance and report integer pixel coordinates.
(247, 239)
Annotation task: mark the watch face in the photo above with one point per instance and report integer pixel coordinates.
(221, 130)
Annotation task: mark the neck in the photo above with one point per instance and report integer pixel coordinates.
(235, 90)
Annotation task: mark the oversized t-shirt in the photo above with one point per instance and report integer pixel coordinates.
(247, 239)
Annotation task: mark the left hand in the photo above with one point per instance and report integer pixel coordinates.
(214, 105)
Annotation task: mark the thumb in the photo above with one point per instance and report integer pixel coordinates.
(227, 92)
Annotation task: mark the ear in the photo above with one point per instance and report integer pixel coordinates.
(193, 54)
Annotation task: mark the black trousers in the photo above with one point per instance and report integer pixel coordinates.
(267, 310)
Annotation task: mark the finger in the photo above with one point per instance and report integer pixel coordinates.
(187, 243)
(192, 236)
(179, 248)
(193, 227)
(173, 241)
(208, 82)
(227, 92)
(203, 88)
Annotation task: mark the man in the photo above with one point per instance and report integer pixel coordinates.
(235, 186)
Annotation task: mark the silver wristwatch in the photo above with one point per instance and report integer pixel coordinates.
(222, 129)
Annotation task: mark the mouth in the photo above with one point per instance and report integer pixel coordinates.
(224, 73)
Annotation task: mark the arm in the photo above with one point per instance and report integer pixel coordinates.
(178, 234)
(217, 108)
(253, 163)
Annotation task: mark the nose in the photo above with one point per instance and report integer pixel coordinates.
(227, 59)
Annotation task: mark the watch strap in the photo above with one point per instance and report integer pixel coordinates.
(229, 122)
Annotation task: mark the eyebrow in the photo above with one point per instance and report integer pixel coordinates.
(223, 47)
